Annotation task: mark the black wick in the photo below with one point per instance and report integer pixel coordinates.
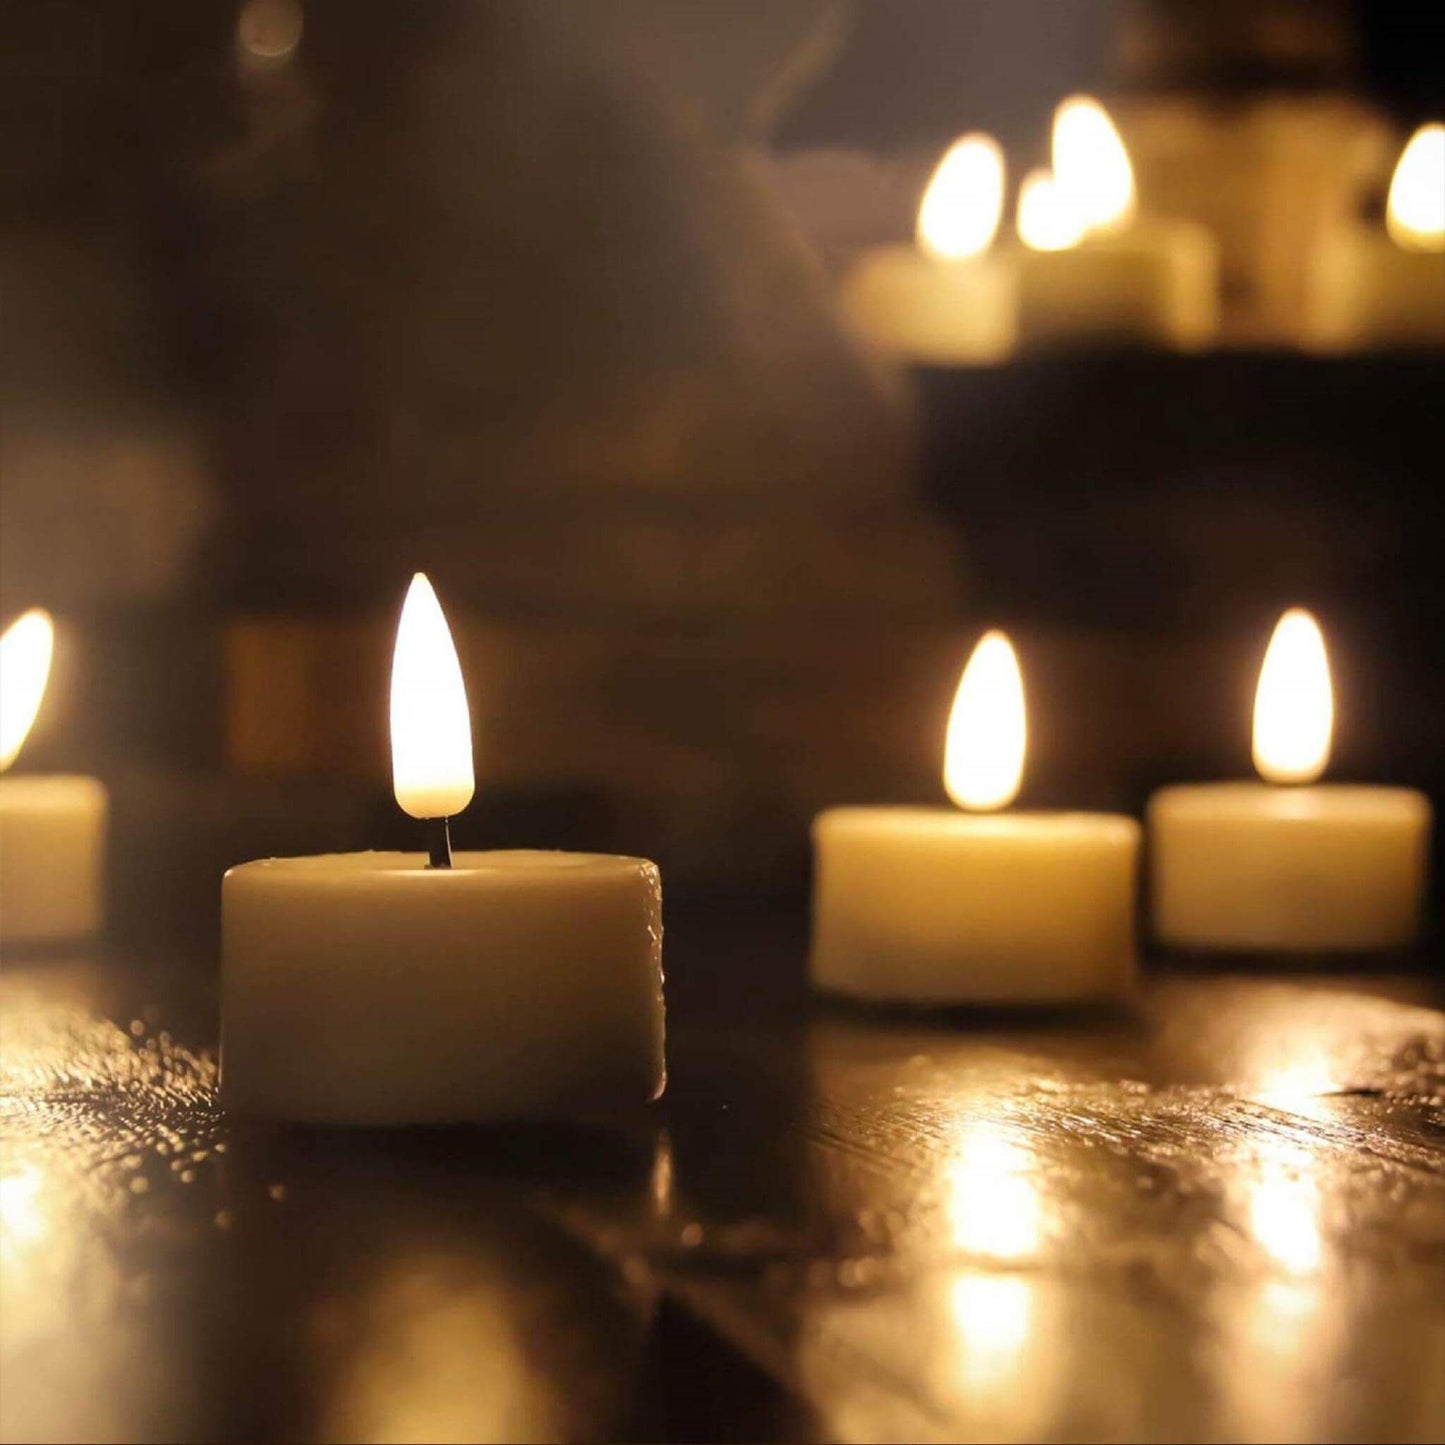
(439, 843)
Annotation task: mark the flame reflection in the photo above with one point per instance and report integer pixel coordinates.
(993, 1202)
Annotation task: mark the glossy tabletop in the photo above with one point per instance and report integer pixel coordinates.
(1218, 1215)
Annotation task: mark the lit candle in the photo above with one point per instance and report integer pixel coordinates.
(1373, 287)
(384, 988)
(1090, 269)
(1287, 863)
(937, 906)
(52, 827)
(945, 300)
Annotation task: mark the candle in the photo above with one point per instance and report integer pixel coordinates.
(52, 828)
(1089, 268)
(934, 906)
(1289, 864)
(1373, 287)
(389, 988)
(943, 301)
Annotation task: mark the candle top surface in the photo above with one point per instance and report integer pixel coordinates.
(1310, 800)
(508, 863)
(1014, 822)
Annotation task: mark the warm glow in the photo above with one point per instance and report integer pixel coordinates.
(1049, 219)
(960, 211)
(992, 1318)
(1283, 1212)
(1294, 707)
(983, 758)
(1415, 213)
(994, 1208)
(431, 730)
(1091, 165)
(25, 652)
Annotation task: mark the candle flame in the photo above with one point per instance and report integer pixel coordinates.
(1049, 219)
(25, 653)
(1415, 212)
(983, 758)
(431, 730)
(1091, 164)
(960, 211)
(1294, 707)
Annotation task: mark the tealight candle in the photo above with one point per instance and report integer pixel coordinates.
(52, 827)
(943, 301)
(1089, 269)
(934, 906)
(1288, 864)
(1373, 287)
(389, 988)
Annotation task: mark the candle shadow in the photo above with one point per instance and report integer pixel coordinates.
(982, 1016)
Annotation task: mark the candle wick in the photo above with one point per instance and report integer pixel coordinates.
(439, 842)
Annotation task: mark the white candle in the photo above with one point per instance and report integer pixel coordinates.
(933, 906)
(1088, 269)
(943, 301)
(52, 828)
(1372, 287)
(1289, 864)
(375, 988)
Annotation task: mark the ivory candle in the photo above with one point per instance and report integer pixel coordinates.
(942, 301)
(934, 906)
(52, 828)
(1088, 269)
(1288, 864)
(383, 988)
(1373, 287)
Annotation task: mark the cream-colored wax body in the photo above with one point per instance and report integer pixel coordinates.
(1155, 283)
(934, 906)
(915, 307)
(1251, 866)
(367, 988)
(52, 858)
(1367, 292)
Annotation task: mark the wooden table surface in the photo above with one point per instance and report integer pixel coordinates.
(1219, 1215)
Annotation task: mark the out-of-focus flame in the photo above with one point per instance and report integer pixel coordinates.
(983, 757)
(960, 211)
(1091, 165)
(1415, 212)
(25, 652)
(1049, 219)
(431, 730)
(1294, 707)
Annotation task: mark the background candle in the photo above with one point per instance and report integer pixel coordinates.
(1386, 287)
(52, 828)
(1279, 865)
(945, 300)
(373, 988)
(1088, 268)
(926, 905)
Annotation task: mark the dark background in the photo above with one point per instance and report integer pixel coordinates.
(538, 297)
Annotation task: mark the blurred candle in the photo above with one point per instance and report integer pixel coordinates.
(1374, 287)
(52, 827)
(374, 988)
(1090, 269)
(944, 300)
(1289, 864)
(937, 906)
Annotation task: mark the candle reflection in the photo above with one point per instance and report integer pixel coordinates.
(993, 1202)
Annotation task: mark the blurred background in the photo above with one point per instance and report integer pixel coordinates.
(300, 296)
